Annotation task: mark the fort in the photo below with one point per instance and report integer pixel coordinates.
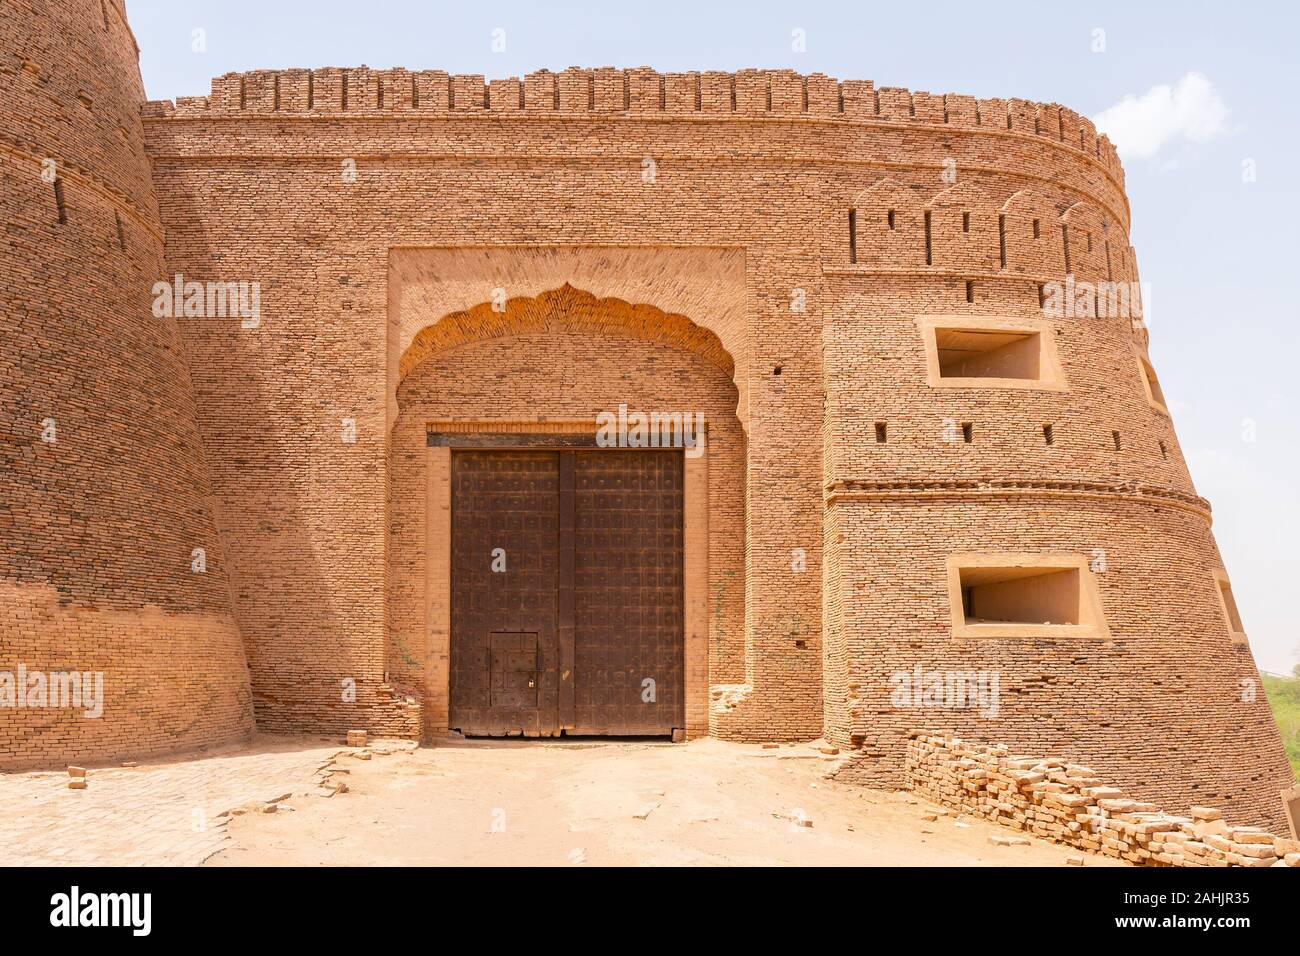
(910, 463)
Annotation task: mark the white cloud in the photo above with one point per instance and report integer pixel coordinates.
(1140, 126)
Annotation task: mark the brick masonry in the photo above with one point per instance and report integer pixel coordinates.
(667, 238)
(104, 487)
(1071, 804)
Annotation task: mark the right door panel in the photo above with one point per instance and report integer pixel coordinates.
(628, 614)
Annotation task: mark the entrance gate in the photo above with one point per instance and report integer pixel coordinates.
(567, 598)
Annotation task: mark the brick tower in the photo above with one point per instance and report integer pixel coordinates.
(109, 557)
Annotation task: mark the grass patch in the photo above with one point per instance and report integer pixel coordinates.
(1284, 697)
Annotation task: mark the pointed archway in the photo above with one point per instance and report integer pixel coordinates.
(548, 365)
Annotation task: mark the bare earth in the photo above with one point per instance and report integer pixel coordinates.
(557, 803)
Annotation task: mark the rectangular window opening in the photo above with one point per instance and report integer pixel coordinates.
(1155, 395)
(889, 218)
(1048, 437)
(853, 236)
(965, 222)
(1164, 451)
(967, 432)
(1023, 596)
(1119, 445)
(929, 258)
(881, 433)
(970, 291)
(1230, 608)
(989, 353)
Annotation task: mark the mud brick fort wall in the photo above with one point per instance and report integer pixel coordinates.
(763, 246)
(98, 526)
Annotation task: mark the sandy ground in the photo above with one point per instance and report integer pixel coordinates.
(557, 803)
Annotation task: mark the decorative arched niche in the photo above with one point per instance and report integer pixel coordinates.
(436, 295)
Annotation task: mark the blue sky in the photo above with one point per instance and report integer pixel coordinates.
(1217, 252)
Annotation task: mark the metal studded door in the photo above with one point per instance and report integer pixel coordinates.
(567, 600)
(629, 648)
(504, 584)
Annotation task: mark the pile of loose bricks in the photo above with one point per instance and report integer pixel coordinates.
(1068, 803)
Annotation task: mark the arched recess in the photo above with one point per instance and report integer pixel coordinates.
(888, 226)
(1086, 233)
(429, 286)
(964, 229)
(565, 307)
(1033, 235)
(547, 365)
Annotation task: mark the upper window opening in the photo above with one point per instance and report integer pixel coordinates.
(974, 352)
(980, 353)
(1155, 395)
(1229, 605)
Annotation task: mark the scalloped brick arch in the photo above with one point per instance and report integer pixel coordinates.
(438, 298)
(565, 307)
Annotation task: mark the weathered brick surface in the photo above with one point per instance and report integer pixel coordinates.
(716, 208)
(98, 526)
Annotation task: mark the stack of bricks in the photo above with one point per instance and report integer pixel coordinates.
(1068, 803)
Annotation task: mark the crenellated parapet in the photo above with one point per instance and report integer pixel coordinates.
(641, 92)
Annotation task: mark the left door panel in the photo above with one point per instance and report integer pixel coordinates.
(504, 583)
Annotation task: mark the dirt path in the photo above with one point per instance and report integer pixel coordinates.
(619, 803)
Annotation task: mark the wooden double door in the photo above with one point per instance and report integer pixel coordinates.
(566, 583)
